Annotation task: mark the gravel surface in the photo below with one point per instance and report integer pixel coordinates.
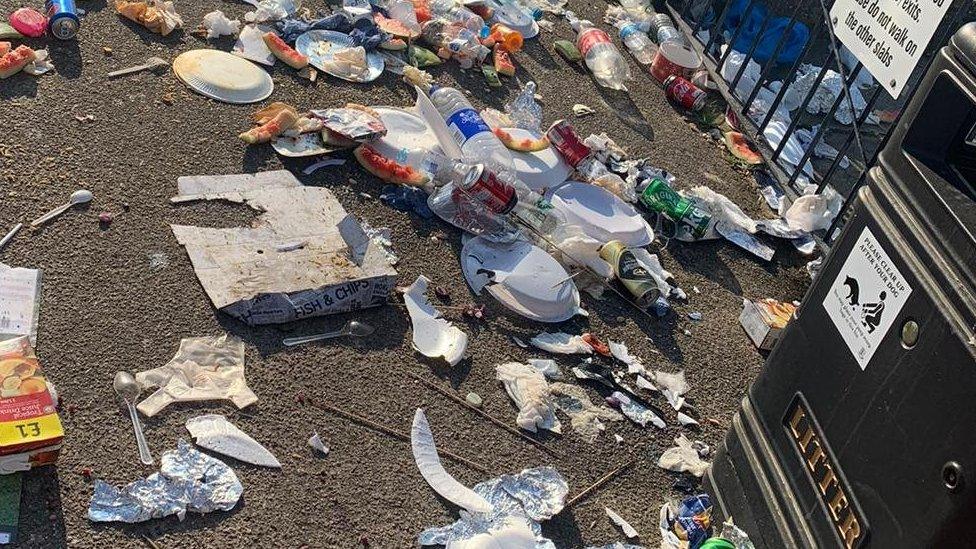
(104, 308)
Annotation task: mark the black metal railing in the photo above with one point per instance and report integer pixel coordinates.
(718, 31)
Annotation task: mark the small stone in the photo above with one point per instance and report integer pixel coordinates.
(695, 289)
(87, 472)
(687, 332)
(107, 50)
(696, 316)
(474, 399)
(621, 319)
(168, 98)
(106, 218)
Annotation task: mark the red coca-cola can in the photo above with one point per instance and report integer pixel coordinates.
(684, 93)
(562, 136)
(484, 187)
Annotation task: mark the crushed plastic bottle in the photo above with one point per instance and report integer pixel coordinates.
(609, 68)
(456, 41)
(403, 11)
(637, 41)
(524, 112)
(478, 144)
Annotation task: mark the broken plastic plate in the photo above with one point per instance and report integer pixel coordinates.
(312, 43)
(522, 277)
(601, 215)
(539, 170)
(222, 76)
(214, 432)
(433, 336)
(408, 140)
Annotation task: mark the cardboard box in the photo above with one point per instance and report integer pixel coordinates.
(30, 429)
(764, 321)
(304, 256)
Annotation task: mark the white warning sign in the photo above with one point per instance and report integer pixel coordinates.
(866, 296)
(888, 36)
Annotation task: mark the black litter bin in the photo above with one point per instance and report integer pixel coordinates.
(861, 429)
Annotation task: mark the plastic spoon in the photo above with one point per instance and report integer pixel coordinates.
(352, 328)
(80, 196)
(150, 64)
(128, 388)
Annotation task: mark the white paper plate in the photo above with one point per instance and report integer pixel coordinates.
(528, 280)
(222, 76)
(601, 215)
(539, 170)
(408, 139)
(308, 45)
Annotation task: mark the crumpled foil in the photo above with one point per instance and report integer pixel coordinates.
(533, 495)
(188, 480)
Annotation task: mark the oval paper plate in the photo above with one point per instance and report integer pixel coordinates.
(601, 214)
(539, 170)
(222, 76)
(527, 280)
(314, 44)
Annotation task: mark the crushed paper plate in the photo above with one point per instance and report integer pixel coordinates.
(408, 141)
(214, 432)
(429, 464)
(250, 45)
(433, 336)
(219, 75)
(315, 442)
(601, 215)
(320, 47)
(522, 277)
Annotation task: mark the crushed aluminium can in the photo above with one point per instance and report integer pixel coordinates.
(564, 138)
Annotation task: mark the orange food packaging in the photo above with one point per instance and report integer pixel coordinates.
(30, 429)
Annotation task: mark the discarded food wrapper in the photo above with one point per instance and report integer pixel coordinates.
(522, 277)
(40, 65)
(580, 109)
(528, 388)
(429, 464)
(218, 24)
(433, 336)
(625, 526)
(20, 297)
(764, 321)
(683, 458)
(562, 343)
(188, 480)
(215, 433)
(304, 257)
(547, 367)
(353, 122)
(271, 10)
(518, 503)
(586, 418)
(583, 373)
(635, 411)
(29, 22)
(204, 368)
(26, 398)
(158, 16)
(687, 524)
(621, 353)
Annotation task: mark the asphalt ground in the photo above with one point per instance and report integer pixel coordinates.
(104, 309)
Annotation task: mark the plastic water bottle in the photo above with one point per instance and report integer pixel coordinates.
(638, 43)
(609, 68)
(478, 144)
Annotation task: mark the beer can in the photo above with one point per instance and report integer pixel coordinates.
(564, 138)
(684, 93)
(631, 273)
(62, 18)
(482, 185)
